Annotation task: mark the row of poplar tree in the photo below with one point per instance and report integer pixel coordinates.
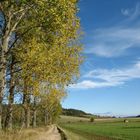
(40, 54)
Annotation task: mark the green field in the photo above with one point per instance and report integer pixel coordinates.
(103, 129)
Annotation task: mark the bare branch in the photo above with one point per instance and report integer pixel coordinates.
(17, 22)
(13, 72)
(21, 10)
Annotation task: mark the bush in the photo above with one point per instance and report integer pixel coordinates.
(91, 119)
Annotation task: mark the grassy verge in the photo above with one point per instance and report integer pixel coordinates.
(25, 134)
(73, 136)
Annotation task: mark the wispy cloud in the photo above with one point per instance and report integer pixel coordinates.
(109, 77)
(116, 40)
(133, 13)
(126, 12)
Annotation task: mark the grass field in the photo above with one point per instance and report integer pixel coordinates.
(103, 129)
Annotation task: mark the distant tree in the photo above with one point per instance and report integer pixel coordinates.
(92, 119)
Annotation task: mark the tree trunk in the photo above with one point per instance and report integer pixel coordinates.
(27, 117)
(9, 115)
(8, 120)
(4, 47)
(50, 119)
(45, 117)
(26, 105)
(2, 82)
(34, 112)
(26, 114)
(23, 118)
(0, 116)
(34, 117)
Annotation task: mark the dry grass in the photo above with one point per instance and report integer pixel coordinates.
(25, 134)
(66, 119)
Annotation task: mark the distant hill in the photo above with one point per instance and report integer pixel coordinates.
(80, 113)
(75, 112)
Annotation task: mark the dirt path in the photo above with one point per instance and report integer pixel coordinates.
(51, 134)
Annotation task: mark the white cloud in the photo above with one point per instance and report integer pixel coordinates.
(109, 77)
(116, 40)
(88, 84)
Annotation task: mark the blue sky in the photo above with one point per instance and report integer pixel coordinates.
(110, 76)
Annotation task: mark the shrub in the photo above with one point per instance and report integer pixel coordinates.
(91, 119)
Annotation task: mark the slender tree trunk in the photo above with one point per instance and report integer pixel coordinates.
(50, 119)
(34, 117)
(23, 111)
(4, 47)
(2, 81)
(34, 112)
(0, 116)
(45, 117)
(26, 105)
(23, 118)
(27, 117)
(9, 115)
(8, 120)
(11, 101)
(26, 114)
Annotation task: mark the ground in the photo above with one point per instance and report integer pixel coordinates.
(51, 134)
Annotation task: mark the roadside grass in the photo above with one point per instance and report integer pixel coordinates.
(73, 136)
(23, 134)
(103, 129)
